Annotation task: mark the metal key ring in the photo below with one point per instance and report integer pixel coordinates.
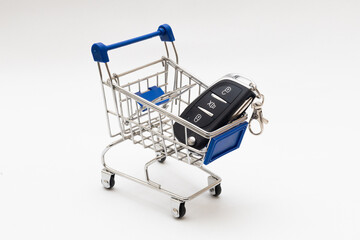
(260, 124)
(258, 116)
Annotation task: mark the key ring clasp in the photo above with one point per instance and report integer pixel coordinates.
(257, 115)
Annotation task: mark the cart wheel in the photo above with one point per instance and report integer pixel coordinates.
(107, 179)
(216, 191)
(112, 181)
(161, 160)
(178, 209)
(182, 210)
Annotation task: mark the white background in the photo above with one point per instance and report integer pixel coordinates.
(299, 180)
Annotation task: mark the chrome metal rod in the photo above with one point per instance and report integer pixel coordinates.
(152, 184)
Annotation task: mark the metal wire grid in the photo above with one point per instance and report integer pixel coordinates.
(142, 124)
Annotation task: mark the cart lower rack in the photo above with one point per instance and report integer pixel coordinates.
(143, 104)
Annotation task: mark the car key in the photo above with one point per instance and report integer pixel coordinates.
(223, 102)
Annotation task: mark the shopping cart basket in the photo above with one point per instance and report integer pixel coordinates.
(144, 103)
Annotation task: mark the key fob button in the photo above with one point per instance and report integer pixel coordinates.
(198, 117)
(211, 104)
(227, 91)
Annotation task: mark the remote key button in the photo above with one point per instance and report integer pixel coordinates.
(198, 117)
(211, 104)
(227, 91)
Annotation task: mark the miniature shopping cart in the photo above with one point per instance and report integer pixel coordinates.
(144, 103)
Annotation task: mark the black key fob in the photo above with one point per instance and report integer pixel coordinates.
(221, 103)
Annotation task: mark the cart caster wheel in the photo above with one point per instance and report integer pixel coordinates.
(161, 160)
(216, 191)
(107, 179)
(178, 209)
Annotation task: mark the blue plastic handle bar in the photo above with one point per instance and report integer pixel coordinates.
(100, 50)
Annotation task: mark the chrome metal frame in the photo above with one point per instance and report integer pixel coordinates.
(150, 124)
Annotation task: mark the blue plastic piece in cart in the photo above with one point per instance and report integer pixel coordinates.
(225, 143)
(100, 50)
(153, 93)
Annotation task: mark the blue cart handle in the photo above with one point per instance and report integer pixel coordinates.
(100, 50)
